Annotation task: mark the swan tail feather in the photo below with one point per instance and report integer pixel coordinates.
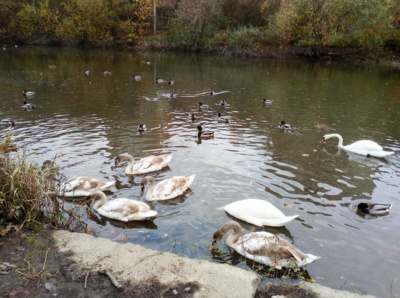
(279, 222)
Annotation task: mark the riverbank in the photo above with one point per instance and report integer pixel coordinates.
(64, 264)
(383, 56)
(379, 55)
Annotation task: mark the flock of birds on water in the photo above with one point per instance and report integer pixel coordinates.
(261, 247)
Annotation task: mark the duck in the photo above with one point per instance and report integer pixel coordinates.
(7, 121)
(28, 93)
(263, 247)
(171, 82)
(320, 126)
(136, 77)
(146, 165)
(222, 119)
(141, 128)
(212, 92)
(160, 81)
(52, 66)
(87, 72)
(284, 126)
(83, 186)
(267, 101)
(106, 73)
(166, 189)
(258, 212)
(121, 209)
(192, 116)
(363, 147)
(204, 133)
(151, 98)
(222, 102)
(203, 106)
(375, 209)
(28, 106)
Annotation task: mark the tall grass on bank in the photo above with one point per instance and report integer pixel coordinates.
(28, 191)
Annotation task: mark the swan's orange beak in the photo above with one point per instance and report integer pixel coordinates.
(323, 141)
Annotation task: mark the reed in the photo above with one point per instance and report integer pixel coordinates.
(27, 189)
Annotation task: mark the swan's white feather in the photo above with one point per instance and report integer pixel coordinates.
(169, 188)
(263, 247)
(258, 212)
(146, 165)
(126, 210)
(84, 186)
(362, 147)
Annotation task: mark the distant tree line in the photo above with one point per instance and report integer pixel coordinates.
(232, 25)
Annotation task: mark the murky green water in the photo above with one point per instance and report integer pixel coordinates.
(91, 119)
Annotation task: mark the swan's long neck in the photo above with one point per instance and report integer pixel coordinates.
(335, 135)
(131, 163)
(149, 195)
(101, 202)
(233, 237)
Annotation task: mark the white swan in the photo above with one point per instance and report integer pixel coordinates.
(263, 247)
(146, 165)
(167, 189)
(84, 186)
(258, 212)
(363, 147)
(122, 209)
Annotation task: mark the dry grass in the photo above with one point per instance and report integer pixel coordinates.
(27, 190)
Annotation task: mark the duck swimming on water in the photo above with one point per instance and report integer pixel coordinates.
(204, 133)
(28, 106)
(28, 93)
(375, 209)
(141, 128)
(284, 126)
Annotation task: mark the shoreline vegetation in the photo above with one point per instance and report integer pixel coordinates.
(359, 31)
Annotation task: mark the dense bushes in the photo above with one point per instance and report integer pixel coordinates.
(206, 24)
(77, 21)
(339, 23)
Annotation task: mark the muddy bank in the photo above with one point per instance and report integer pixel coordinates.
(64, 264)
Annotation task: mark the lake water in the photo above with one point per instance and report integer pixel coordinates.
(90, 119)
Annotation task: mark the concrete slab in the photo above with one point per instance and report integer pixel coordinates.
(132, 264)
(144, 272)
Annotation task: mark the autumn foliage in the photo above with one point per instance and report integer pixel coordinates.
(205, 24)
(80, 21)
